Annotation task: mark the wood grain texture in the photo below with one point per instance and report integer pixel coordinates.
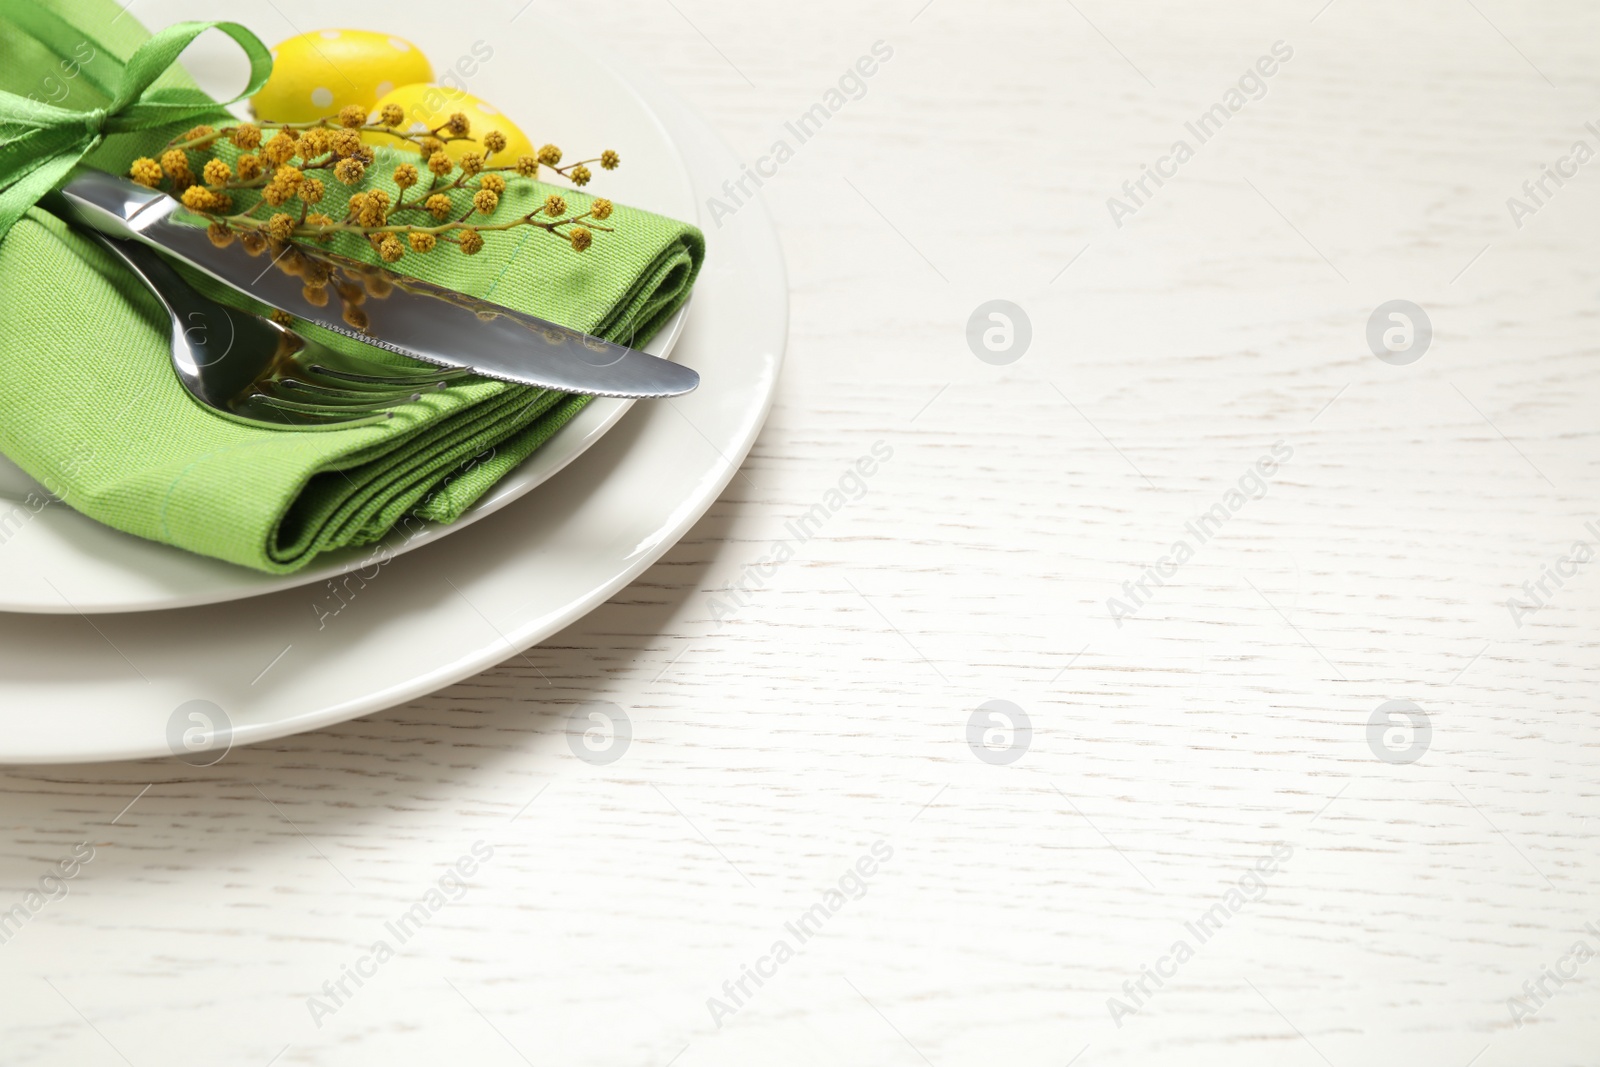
(773, 747)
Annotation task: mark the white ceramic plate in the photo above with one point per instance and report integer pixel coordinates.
(56, 561)
(276, 665)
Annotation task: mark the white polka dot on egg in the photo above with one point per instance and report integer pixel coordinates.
(322, 97)
(330, 35)
(487, 110)
(385, 88)
(399, 45)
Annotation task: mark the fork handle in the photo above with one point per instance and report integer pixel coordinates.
(166, 284)
(204, 332)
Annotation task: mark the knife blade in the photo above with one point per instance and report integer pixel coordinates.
(379, 307)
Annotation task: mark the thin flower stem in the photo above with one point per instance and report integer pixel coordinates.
(292, 156)
(207, 140)
(248, 223)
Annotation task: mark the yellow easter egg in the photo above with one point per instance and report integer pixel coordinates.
(317, 73)
(428, 106)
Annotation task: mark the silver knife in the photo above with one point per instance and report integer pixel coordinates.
(404, 315)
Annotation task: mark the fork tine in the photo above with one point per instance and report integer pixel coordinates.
(261, 410)
(352, 384)
(327, 396)
(323, 410)
(422, 379)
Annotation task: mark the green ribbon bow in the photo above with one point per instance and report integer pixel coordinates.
(40, 143)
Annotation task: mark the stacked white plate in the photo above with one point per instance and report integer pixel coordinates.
(112, 647)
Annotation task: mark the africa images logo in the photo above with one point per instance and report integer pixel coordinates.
(851, 885)
(1252, 85)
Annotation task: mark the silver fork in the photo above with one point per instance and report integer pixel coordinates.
(259, 372)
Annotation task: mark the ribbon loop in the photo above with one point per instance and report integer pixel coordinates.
(41, 143)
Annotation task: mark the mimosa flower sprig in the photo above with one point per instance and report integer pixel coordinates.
(281, 167)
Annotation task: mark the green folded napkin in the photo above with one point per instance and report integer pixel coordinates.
(90, 407)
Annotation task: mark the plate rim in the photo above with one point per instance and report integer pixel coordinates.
(45, 742)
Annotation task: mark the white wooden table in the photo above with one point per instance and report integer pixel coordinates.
(777, 746)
